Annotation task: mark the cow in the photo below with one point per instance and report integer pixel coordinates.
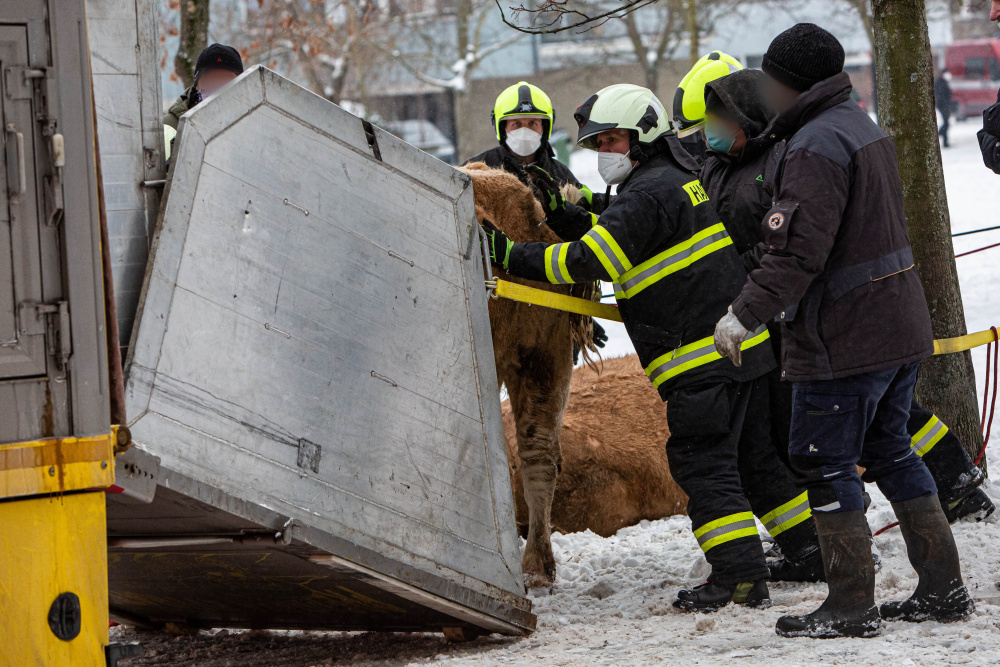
(613, 439)
(533, 350)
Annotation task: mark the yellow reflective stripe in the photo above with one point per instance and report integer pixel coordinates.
(602, 256)
(693, 355)
(619, 293)
(593, 220)
(555, 264)
(786, 516)
(925, 439)
(675, 258)
(726, 529)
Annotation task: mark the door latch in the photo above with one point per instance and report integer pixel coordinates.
(50, 320)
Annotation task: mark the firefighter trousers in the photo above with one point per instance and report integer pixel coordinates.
(720, 453)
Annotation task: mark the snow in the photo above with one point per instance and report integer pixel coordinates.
(611, 604)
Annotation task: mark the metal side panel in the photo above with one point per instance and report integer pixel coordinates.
(312, 340)
(126, 74)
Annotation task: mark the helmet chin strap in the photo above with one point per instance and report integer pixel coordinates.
(643, 152)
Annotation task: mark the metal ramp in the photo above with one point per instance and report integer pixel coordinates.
(311, 386)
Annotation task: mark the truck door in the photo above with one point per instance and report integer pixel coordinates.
(22, 326)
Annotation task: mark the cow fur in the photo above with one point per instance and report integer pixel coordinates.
(614, 471)
(533, 349)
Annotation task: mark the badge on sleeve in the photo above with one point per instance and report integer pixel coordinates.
(776, 221)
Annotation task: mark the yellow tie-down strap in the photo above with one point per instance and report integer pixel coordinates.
(57, 465)
(605, 311)
(540, 297)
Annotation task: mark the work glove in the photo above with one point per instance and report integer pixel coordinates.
(599, 335)
(552, 198)
(729, 336)
(991, 119)
(500, 245)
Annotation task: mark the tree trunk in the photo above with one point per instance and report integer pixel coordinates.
(193, 38)
(693, 30)
(905, 75)
(463, 12)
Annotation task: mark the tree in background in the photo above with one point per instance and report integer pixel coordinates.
(905, 74)
(193, 17)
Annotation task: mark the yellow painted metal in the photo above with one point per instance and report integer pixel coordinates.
(962, 343)
(572, 304)
(57, 465)
(49, 546)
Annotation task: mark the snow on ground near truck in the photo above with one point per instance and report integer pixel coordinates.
(611, 602)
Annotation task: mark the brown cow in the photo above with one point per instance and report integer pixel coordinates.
(614, 471)
(533, 349)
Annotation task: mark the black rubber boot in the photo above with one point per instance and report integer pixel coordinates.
(711, 596)
(804, 566)
(930, 546)
(849, 610)
(977, 505)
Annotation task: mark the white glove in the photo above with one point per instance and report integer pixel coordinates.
(729, 335)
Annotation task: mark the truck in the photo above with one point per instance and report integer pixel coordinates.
(974, 66)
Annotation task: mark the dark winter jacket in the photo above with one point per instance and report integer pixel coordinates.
(674, 269)
(839, 270)
(187, 101)
(942, 95)
(740, 187)
(989, 136)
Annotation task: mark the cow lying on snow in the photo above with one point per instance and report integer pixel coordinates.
(533, 349)
(614, 471)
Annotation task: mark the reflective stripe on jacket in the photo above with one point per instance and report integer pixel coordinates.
(674, 271)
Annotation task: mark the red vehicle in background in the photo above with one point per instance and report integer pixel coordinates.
(974, 66)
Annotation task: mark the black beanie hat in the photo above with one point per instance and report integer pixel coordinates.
(802, 56)
(219, 56)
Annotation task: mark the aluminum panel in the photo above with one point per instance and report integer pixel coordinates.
(312, 340)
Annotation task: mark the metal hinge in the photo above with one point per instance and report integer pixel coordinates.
(50, 320)
(17, 81)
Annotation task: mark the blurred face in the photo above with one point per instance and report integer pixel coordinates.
(995, 11)
(533, 124)
(717, 128)
(612, 141)
(779, 96)
(213, 79)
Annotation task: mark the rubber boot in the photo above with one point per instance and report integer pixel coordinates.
(930, 546)
(804, 566)
(712, 596)
(849, 609)
(977, 505)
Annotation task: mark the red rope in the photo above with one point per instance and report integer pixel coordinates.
(987, 423)
(976, 250)
(885, 528)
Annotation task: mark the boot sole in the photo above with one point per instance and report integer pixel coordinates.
(854, 632)
(685, 605)
(951, 617)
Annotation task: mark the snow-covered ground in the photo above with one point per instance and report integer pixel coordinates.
(611, 602)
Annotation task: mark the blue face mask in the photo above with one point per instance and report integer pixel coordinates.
(719, 143)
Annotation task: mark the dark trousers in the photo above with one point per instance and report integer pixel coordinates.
(720, 453)
(857, 420)
(943, 130)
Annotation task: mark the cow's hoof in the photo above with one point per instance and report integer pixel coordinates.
(539, 591)
(537, 584)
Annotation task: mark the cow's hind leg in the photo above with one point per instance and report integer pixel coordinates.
(538, 397)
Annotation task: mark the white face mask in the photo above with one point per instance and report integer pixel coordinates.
(614, 167)
(524, 141)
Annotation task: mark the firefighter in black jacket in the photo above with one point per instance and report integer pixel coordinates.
(738, 176)
(674, 271)
(989, 136)
(839, 273)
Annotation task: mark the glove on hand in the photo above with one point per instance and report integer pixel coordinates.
(599, 335)
(729, 335)
(991, 119)
(552, 198)
(500, 245)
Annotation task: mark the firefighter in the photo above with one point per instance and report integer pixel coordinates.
(675, 271)
(989, 136)
(522, 118)
(738, 177)
(838, 272)
(689, 100)
(217, 65)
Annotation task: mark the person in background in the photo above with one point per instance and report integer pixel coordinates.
(989, 136)
(942, 100)
(738, 175)
(217, 65)
(839, 272)
(522, 118)
(689, 100)
(675, 271)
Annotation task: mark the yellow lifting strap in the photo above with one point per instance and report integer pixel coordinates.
(605, 311)
(540, 297)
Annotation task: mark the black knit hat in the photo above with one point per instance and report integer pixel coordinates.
(802, 56)
(219, 56)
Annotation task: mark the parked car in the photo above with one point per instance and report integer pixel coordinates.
(975, 74)
(424, 135)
